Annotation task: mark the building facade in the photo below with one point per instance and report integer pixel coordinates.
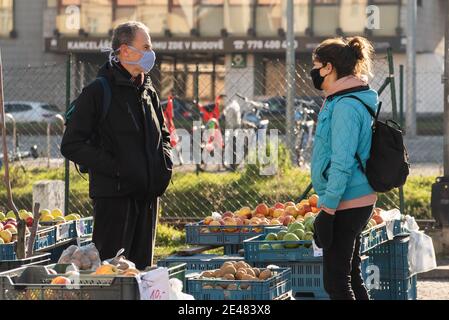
(209, 47)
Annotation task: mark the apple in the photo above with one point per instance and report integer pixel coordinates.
(278, 213)
(262, 209)
(1, 227)
(288, 220)
(228, 214)
(301, 209)
(215, 224)
(208, 220)
(8, 226)
(221, 221)
(260, 216)
(289, 204)
(229, 223)
(307, 208)
(246, 222)
(11, 221)
(313, 200)
(6, 235)
(291, 210)
(275, 222)
(279, 206)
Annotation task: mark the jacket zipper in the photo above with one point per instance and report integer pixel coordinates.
(132, 116)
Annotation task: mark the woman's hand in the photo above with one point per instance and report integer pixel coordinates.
(324, 229)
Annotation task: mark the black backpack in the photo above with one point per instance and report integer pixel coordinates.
(388, 166)
(107, 96)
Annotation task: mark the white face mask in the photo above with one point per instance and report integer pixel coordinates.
(146, 62)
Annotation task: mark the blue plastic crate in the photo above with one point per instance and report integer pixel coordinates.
(85, 226)
(257, 249)
(200, 234)
(399, 229)
(307, 278)
(7, 251)
(198, 262)
(45, 238)
(373, 237)
(269, 289)
(392, 289)
(391, 258)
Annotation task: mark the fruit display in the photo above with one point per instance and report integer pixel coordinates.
(296, 231)
(280, 214)
(56, 216)
(235, 272)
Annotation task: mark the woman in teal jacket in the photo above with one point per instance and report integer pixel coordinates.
(343, 134)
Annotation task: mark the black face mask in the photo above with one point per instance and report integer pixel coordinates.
(317, 78)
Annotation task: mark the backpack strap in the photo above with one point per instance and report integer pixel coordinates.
(373, 114)
(107, 97)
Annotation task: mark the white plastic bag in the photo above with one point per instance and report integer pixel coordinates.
(410, 223)
(175, 291)
(85, 258)
(421, 254)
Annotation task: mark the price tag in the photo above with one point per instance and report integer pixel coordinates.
(154, 285)
(62, 231)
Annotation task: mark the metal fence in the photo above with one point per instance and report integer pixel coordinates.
(197, 190)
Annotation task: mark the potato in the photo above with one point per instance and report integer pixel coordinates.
(228, 270)
(266, 274)
(207, 274)
(239, 275)
(86, 264)
(228, 277)
(250, 272)
(78, 254)
(256, 271)
(93, 255)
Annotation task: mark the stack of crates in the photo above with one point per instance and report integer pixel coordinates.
(387, 273)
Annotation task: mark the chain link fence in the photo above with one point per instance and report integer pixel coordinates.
(35, 96)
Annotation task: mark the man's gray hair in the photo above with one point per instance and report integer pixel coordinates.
(125, 33)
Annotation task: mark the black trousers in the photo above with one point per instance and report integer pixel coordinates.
(342, 274)
(126, 223)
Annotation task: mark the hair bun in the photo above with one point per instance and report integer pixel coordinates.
(358, 47)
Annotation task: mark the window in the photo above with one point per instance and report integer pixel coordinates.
(16, 108)
(182, 16)
(325, 17)
(211, 17)
(269, 16)
(154, 13)
(389, 14)
(125, 10)
(93, 16)
(353, 16)
(50, 107)
(237, 16)
(6, 17)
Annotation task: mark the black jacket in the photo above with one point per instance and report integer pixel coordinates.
(128, 153)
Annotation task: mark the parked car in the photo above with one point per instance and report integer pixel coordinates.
(181, 109)
(31, 111)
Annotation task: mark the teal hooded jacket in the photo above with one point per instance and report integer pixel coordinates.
(343, 130)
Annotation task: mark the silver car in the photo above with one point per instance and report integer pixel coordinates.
(31, 111)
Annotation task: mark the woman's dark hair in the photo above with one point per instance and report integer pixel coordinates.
(349, 56)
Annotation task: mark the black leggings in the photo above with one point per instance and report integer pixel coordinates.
(342, 274)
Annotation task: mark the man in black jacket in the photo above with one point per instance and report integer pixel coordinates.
(127, 150)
